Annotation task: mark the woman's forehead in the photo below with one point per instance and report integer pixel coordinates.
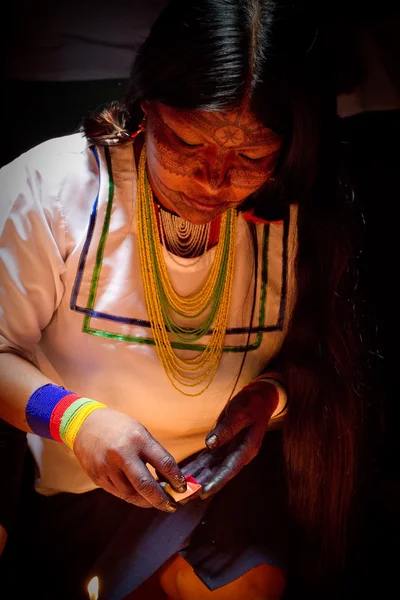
(231, 126)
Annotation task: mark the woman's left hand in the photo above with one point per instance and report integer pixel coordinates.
(236, 439)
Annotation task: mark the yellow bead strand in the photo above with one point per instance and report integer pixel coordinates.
(189, 372)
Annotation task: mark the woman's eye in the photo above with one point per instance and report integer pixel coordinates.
(187, 144)
(253, 160)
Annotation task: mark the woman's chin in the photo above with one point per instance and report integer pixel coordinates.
(200, 213)
(197, 217)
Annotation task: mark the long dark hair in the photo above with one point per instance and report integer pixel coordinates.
(214, 54)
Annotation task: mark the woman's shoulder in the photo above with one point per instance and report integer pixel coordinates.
(54, 158)
(63, 152)
(53, 185)
(58, 168)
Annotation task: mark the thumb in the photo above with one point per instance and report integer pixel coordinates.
(227, 429)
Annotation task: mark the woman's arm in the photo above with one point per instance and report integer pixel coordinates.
(113, 448)
(19, 379)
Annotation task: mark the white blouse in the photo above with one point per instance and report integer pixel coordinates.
(72, 299)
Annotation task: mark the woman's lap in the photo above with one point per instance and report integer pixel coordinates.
(64, 540)
(178, 580)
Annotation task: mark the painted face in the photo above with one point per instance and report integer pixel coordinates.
(201, 163)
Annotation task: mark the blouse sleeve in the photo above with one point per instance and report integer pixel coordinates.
(32, 251)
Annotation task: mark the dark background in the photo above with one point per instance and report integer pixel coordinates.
(62, 60)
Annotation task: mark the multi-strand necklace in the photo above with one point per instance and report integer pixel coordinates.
(181, 238)
(164, 303)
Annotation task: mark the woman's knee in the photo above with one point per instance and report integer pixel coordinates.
(179, 582)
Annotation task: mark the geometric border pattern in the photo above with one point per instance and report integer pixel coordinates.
(89, 311)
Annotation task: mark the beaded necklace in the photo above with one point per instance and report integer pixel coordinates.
(173, 233)
(182, 238)
(163, 301)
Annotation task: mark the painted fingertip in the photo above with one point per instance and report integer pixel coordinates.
(179, 489)
(171, 507)
(204, 494)
(212, 441)
(181, 485)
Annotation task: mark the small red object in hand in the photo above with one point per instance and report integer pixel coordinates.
(192, 487)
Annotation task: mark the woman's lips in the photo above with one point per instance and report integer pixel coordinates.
(203, 203)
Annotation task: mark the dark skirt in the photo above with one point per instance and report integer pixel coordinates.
(58, 543)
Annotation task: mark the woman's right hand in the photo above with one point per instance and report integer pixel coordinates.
(113, 450)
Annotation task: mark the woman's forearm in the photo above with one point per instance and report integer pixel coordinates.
(18, 380)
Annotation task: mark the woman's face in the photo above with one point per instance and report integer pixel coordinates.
(201, 163)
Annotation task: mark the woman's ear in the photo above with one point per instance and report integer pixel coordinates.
(144, 105)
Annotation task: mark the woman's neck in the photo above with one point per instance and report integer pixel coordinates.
(214, 225)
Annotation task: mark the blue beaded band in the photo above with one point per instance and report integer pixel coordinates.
(40, 406)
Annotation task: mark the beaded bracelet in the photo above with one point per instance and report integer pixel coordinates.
(283, 402)
(57, 414)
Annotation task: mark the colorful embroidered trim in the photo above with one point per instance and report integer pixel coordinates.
(90, 312)
(40, 407)
(74, 417)
(56, 413)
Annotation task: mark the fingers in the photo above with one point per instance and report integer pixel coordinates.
(218, 481)
(118, 485)
(247, 408)
(233, 422)
(124, 490)
(203, 477)
(203, 461)
(144, 484)
(233, 463)
(186, 498)
(136, 482)
(202, 467)
(164, 464)
(123, 471)
(202, 474)
(116, 460)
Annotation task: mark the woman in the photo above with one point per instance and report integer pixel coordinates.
(166, 276)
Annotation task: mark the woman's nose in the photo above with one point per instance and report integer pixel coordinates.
(215, 173)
